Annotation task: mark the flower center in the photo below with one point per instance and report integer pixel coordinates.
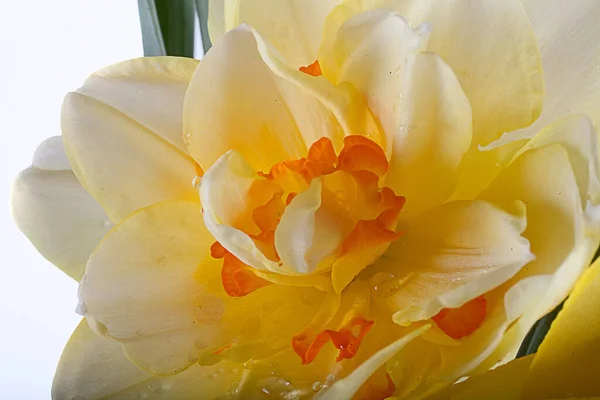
(323, 214)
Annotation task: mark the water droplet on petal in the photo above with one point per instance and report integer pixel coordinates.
(249, 364)
(317, 386)
(277, 388)
(197, 181)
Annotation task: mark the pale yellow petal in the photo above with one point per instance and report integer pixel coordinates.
(152, 285)
(293, 27)
(449, 256)
(345, 388)
(225, 198)
(543, 179)
(243, 94)
(94, 367)
(149, 90)
(370, 51)
(51, 207)
(568, 40)
(433, 135)
(121, 163)
(568, 360)
(488, 44)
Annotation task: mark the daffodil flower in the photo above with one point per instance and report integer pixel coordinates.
(362, 199)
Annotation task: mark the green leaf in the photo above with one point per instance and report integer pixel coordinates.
(538, 332)
(167, 27)
(151, 33)
(202, 9)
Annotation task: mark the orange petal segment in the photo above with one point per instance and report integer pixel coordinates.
(237, 277)
(321, 158)
(362, 154)
(463, 321)
(313, 69)
(347, 340)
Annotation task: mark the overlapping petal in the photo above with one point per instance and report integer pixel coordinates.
(55, 212)
(120, 131)
(152, 285)
(94, 367)
(570, 57)
(293, 27)
(266, 102)
(449, 256)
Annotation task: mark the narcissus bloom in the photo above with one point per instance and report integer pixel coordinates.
(356, 200)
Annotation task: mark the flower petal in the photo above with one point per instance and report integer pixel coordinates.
(293, 27)
(152, 285)
(149, 90)
(567, 362)
(435, 132)
(550, 179)
(55, 212)
(570, 55)
(121, 132)
(449, 256)
(370, 51)
(489, 46)
(543, 179)
(225, 194)
(94, 367)
(345, 388)
(281, 108)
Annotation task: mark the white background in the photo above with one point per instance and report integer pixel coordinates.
(47, 47)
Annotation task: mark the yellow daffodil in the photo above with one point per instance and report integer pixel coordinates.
(356, 199)
(566, 365)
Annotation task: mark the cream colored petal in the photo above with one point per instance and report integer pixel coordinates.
(225, 198)
(139, 286)
(55, 212)
(149, 90)
(449, 256)
(293, 27)
(550, 179)
(543, 179)
(152, 285)
(568, 360)
(370, 51)
(94, 367)
(121, 163)
(50, 155)
(307, 233)
(244, 97)
(433, 135)
(488, 44)
(345, 388)
(222, 17)
(570, 51)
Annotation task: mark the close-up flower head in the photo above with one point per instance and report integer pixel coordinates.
(343, 199)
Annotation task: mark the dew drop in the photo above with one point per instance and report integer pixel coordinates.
(276, 388)
(197, 181)
(161, 260)
(154, 387)
(249, 364)
(187, 136)
(317, 386)
(386, 284)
